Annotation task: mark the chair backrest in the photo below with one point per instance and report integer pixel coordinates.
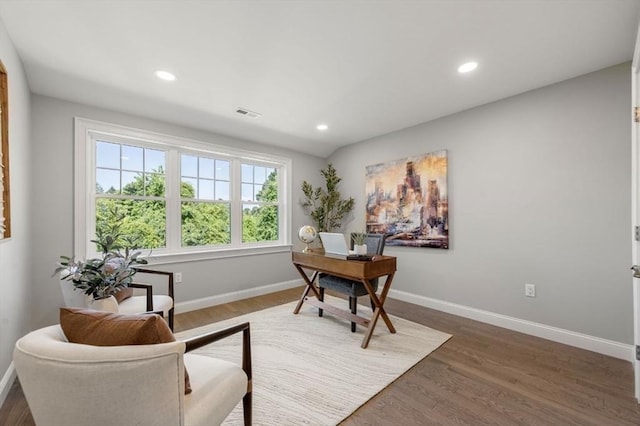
(73, 384)
(374, 242)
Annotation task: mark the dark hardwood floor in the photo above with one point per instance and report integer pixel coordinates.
(484, 375)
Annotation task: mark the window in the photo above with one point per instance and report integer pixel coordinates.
(205, 200)
(178, 197)
(259, 203)
(130, 189)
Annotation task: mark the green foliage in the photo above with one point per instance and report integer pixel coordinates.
(359, 238)
(325, 205)
(142, 220)
(260, 223)
(269, 191)
(203, 223)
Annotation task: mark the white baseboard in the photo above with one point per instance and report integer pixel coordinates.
(207, 302)
(6, 382)
(568, 337)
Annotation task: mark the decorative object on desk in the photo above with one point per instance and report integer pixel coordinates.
(325, 205)
(408, 201)
(307, 234)
(361, 257)
(359, 246)
(102, 277)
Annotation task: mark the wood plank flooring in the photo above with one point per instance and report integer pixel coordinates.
(484, 375)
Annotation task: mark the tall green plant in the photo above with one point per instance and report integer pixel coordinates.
(325, 205)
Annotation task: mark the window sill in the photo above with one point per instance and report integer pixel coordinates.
(198, 255)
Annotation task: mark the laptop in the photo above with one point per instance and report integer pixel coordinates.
(334, 244)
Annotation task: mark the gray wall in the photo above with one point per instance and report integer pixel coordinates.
(540, 192)
(15, 252)
(52, 171)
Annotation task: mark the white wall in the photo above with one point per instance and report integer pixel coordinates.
(52, 166)
(15, 252)
(539, 189)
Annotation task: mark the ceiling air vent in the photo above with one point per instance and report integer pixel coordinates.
(248, 113)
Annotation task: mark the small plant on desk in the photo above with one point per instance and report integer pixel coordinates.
(359, 239)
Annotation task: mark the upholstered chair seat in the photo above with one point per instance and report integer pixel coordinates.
(215, 384)
(138, 304)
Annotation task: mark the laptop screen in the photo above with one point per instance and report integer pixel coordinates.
(334, 243)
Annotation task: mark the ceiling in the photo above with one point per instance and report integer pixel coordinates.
(365, 68)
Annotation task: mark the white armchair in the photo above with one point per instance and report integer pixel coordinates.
(138, 303)
(77, 385)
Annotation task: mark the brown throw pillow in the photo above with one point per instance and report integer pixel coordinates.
(123, 294)
(99, 328)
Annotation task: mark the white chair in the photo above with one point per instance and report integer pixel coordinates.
(136, 304)
(77, 385)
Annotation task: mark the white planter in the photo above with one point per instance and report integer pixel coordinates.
(108, 304)
(360, 248)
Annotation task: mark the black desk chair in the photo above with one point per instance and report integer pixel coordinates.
(353, 289)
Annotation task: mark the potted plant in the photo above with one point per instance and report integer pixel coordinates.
(325, 205)
(359, 239)
(100, 278)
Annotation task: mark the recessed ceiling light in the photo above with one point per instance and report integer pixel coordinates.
(322, 127)
(467, 67)
(165, 75)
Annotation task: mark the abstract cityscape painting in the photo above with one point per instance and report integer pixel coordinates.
(407, 200)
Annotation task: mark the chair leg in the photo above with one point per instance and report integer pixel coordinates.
(171, 318)
(246, 408)
(353, 304)
(373, 305)
(322, 300)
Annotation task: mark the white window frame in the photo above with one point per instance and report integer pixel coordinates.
(88, 131)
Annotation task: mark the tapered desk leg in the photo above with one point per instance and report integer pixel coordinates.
(383, 297)
(372, 326)
(310, 286)
(379, 309)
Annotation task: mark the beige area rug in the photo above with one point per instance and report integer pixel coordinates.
(309, 370)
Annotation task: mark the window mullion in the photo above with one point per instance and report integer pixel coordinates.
(172, 194)
(236, 204)
(89, 248)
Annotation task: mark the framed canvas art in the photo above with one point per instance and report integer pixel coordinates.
(407, 200)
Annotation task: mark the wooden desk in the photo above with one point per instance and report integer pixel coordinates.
(351, 269)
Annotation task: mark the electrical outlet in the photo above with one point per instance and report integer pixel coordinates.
(530, 290)
(178, 277)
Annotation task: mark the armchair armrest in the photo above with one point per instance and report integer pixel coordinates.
(170, 293)
(149, 289)
(205, 339)
(166, 273)
(200, 341)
